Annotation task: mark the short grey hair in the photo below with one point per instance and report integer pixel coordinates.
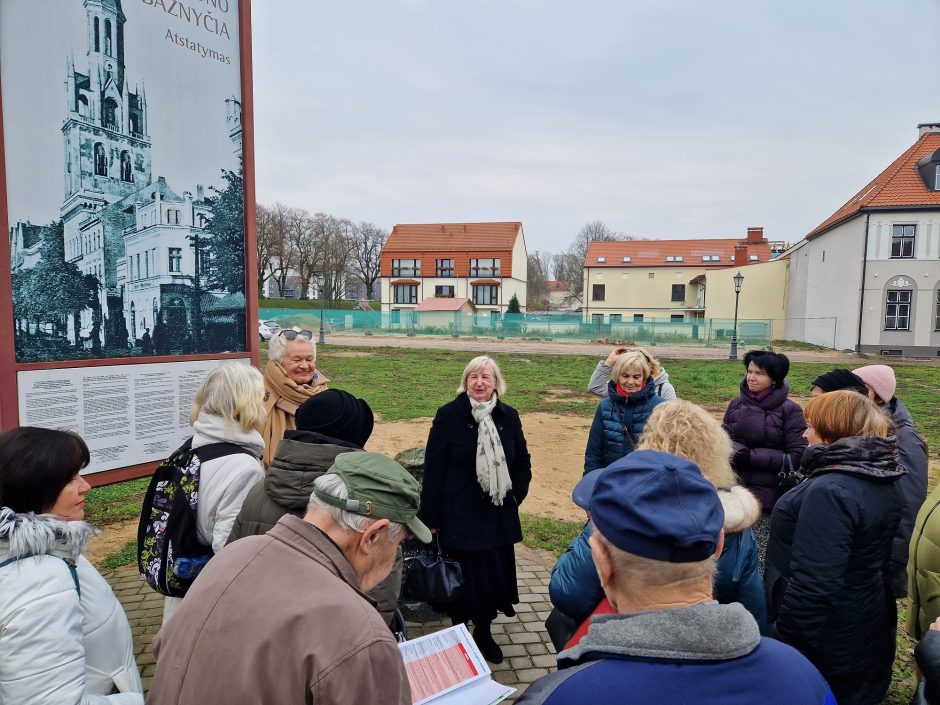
(477, 364)
(278, 344)
(648, 573)
(332, 484)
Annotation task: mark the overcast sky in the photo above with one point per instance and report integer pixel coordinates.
(672, 119)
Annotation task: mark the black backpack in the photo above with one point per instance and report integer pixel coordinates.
(169, 554)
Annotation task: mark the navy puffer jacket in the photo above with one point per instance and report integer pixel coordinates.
(766, 431)
(618, 425)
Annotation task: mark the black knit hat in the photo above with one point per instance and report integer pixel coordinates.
(840, 379)
(336, 414)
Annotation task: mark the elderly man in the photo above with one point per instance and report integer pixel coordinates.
(657, 531)
(283, 618)
(290, 378)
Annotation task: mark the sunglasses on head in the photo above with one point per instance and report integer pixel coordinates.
(291, 334)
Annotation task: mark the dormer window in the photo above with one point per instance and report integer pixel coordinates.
(670, 258)
(627, 259)
(929, 168)
(754, 258)
(680, 258)
(601, 260)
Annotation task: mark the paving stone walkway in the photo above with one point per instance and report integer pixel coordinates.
(528, 650)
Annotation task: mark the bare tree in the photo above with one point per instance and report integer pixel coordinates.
(334, 240)
(573, 264)
(367, 241)
(536, 283)
(282, 253)
(308, 255)
(264, 223)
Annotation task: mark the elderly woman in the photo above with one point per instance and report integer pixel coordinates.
(766, 429)
(828, 561)
(290, 378)
(598, 382)
(228, 408)
(688, 431)
(476, 474)
(64, 639)
(621, 416)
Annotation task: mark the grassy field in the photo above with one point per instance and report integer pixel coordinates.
(402, 383)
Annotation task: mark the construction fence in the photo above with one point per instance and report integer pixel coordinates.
(699, 332)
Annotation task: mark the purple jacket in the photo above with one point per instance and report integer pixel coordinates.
(770, 429)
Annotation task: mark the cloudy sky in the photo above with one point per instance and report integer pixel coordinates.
(663, 119)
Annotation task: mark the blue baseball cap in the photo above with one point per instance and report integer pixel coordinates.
(655, 505)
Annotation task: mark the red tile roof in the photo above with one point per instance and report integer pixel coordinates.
(653, 253)
(558, 285)
(459, 237)
(433, 304)
(898, 185)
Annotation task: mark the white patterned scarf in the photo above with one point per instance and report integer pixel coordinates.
(492, 470)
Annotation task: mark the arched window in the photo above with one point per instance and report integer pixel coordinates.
(109, 113)
(107, 37)
(135, 124)
(899, 303)
(126, 172)
(97, 36)
(101, 163)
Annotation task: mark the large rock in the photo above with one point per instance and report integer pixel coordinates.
(413, 461)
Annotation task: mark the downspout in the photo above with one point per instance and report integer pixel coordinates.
(861, 298)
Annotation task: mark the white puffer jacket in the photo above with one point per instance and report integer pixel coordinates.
(223, 484)
(57, 648)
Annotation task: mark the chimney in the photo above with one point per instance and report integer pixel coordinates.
(756, 234)
(200, 193)
(925, 127)
(740, 253)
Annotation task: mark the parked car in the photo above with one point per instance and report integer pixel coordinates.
(267, 328)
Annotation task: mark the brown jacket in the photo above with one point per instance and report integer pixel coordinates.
(278, 619)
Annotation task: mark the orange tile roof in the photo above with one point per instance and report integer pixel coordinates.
(653, 253)
(441, 304)
(558, 285)
(898, 185)
(461, 237)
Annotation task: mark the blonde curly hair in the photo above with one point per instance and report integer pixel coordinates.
(685, 429)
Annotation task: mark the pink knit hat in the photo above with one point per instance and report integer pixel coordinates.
(880, 378)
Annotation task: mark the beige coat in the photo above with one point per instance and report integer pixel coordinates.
(278, 619)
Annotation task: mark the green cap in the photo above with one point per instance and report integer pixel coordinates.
(379, 488)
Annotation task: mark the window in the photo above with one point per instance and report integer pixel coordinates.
(109, 114)
(598, 291)
(485, 294)
(616, 317)
(172, 216)
(444, 292)
(637, 317)
(444, 268)
(678, 292)
(405, 294)
(898, 310)
(601, 260)
(176, 259)
(485, 267)
(670, 258)
(97, 35)
(652, 275)
(936, 179)
(753, 258)
(677, 318)
(627, 259)
(146, 265)
(936, 325)
(101, 164)
(902, 241)
(406, 268)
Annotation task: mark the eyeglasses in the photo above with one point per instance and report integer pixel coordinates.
(291, 334)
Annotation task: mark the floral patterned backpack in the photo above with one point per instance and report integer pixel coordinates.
(169, 553)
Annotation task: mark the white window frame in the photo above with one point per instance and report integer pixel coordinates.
(906, 242)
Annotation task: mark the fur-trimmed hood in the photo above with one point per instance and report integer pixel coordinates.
(741, 507)
(41, 534)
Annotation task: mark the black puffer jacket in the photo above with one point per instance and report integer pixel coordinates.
(766, 431)
(828, 565)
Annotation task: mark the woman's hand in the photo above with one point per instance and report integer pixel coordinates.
(614, 354)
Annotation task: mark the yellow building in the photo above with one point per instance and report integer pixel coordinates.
(763, 295)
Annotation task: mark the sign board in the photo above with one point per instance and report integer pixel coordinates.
(127, 196)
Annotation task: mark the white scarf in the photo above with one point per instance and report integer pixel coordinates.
(492, 470)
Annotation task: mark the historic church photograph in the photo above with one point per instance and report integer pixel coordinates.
(123, 144)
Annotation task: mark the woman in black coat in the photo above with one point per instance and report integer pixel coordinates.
(476, 474)
(829, 558)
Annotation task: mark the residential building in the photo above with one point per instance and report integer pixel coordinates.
(763, 297)
(483, 262)
(561, 296)
(661, 280)
(868, 277)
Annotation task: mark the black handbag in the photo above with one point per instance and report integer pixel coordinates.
(788, 478)
(432, 578)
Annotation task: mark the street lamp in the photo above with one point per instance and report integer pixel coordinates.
(321, 281)
(738, 280)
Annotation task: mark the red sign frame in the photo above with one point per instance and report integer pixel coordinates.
(9, 367)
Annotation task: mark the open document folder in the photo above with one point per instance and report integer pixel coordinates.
(447, 668)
